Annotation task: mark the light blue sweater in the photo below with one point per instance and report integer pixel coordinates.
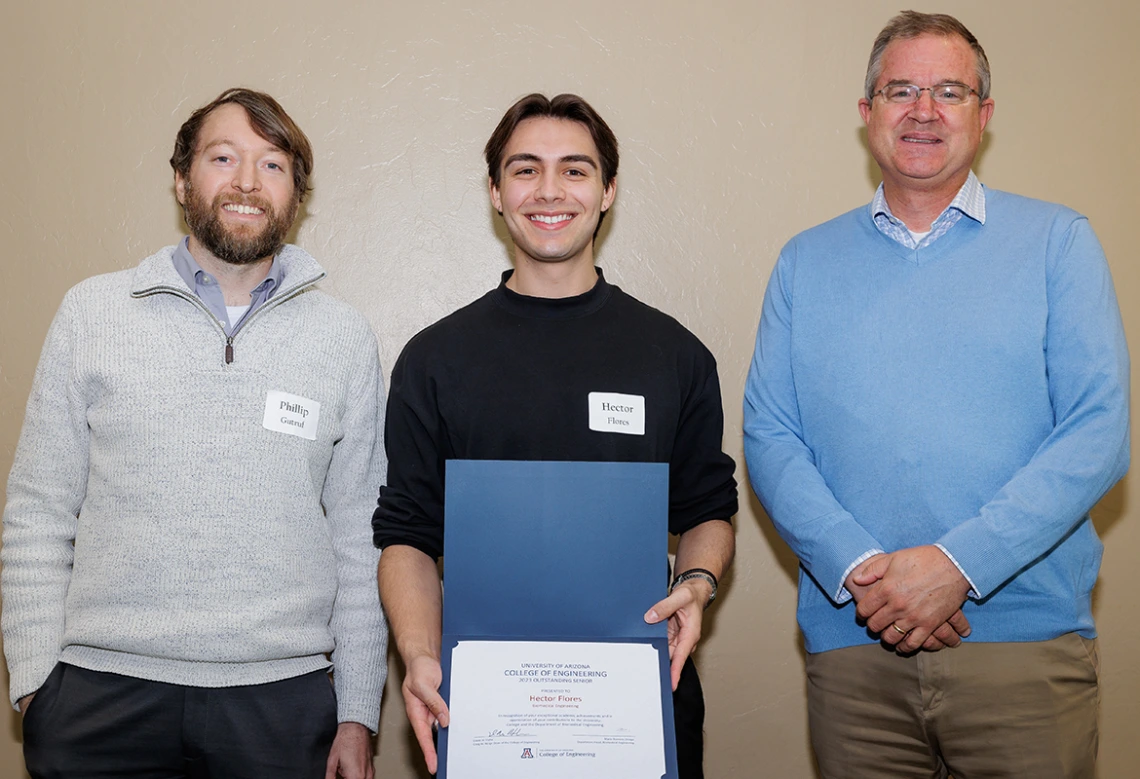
(973, 393)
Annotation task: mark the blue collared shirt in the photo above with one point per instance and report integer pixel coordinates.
(206, 287)
(970, 201)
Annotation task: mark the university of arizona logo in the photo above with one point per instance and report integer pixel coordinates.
(527, 754)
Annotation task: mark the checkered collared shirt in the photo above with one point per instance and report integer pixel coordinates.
(970, 201)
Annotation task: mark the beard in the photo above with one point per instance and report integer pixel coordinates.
(237, 245)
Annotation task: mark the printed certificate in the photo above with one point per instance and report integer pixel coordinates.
(555, 710)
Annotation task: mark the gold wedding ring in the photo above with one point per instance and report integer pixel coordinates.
(901, 632)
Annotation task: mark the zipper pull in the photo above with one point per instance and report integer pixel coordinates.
(229, 349)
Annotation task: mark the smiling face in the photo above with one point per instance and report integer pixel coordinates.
(925, 146)
(550, 191)
(239, 198)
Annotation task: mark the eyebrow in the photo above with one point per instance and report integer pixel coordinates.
(528, 157)
(233, 144)
(898, 82)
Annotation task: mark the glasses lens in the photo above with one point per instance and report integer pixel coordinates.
(901, 93)
(950, 93)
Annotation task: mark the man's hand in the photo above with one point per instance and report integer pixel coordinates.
(424, 704)
(351, 753)
(910, 596)
(25, 702)
(410, 592)
(948, 634)
(860, 581)
(709, 547)
(684, 609)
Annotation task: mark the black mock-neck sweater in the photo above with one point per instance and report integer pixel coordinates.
(508, 377)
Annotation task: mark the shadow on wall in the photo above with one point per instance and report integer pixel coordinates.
(790, 565)
(1105, 515)
(1111, 509)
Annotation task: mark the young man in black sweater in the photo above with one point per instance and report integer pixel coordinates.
(554, 364)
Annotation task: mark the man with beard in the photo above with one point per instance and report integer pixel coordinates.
(522, 373)
(186, 538)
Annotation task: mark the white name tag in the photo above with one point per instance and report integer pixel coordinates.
(613, 412)
(292, 414)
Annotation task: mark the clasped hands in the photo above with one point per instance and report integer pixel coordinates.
(911, 598)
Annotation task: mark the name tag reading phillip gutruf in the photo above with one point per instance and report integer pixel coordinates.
(292, 414)
(613, 412)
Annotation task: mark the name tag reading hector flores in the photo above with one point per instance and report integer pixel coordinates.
(613, 412)
(292, 414)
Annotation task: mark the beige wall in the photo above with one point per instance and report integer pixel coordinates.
(738, 129)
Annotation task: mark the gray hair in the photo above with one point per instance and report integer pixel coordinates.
(912, 24)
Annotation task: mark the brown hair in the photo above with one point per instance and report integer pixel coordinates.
(564, 106)
(912, 24)
(269, 121)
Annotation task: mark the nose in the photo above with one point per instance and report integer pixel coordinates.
(549, 186)
(246, 178)
(924, 109)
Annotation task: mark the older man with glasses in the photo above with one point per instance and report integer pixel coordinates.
(939, 395)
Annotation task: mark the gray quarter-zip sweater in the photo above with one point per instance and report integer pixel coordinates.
(161, 524)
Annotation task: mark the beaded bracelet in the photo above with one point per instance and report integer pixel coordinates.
(696, 573)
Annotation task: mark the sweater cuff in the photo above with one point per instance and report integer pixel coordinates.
(973, 593)
(981, 553)
(366, 713)
(842, 595)
(28, 676)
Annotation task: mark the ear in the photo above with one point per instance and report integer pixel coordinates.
(985, 113)
(496, 198)
(180, 188)
(865, 109)
(608, 194)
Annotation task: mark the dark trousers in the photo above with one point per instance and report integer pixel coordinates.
(689, 721)
(90, 725)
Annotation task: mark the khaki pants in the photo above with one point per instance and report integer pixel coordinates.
(980, 710)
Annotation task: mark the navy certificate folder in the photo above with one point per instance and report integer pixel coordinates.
(558, 551)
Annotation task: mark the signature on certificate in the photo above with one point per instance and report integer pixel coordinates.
(509, 733)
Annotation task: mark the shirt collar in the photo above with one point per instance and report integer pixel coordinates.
(970, 200)
(191, 272)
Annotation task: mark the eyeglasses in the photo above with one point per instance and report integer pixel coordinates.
(944, 94)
